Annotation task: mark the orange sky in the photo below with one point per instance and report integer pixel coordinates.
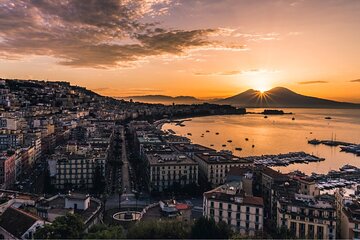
(203, 48)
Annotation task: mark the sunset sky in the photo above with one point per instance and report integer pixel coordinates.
(202, 48)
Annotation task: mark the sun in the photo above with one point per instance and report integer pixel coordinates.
(262, 89)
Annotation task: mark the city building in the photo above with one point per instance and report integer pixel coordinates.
(348, 211)
(18, 224)
(214, 166)
(7, 169)
(169, 170)
(230, 203)
(307, 216)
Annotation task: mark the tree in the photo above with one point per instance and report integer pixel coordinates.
(99, 181)
(102, 231)
(159, 230)
(205, 228)
(65, 227)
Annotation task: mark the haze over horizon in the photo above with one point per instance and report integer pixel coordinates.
(203, 48)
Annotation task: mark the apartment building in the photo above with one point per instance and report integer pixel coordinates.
(348, 211)
(7, 169)
(229, 203)
(77, 171)
(213, 166)
(166, 170)
(307, 217)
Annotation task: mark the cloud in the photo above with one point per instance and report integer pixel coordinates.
(235, 72)
(355, 81)
(312, 82)
(225, 73)
(96, 33)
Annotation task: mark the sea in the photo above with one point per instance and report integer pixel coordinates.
(279, 134)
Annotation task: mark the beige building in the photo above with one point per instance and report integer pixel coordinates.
(308, 187)
(348, 210)
(307, 217)
(165, 170)
(230, 204)
(214, 166)
(77, 171)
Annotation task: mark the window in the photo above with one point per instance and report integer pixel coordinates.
(293, 228)
(320, 232)
(212, 204)
(257, 211)
(302, 230)
(220, 205)
(237, 215)
(311, 231)
(229, 206)
(247, 217)
(257, 219)
(229, 214)
(247, 209)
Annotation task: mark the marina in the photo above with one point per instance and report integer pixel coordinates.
(344, 146)
(346, 176)
(284, 159)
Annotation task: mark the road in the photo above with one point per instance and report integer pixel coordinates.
(125, 167)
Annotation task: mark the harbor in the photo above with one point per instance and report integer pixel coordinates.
(344, 146)
(346, 176)
(284, 159)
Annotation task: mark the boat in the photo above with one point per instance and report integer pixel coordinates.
(246, 139)
(189, 134)
(293, 119)
(202, 135)
(217, 133)
(328, 118)
(229, 141)
(314, 141)
(211, 145)
(265, 116)
(207, 131)
(224, 145)
(238, 149)
(253, 146)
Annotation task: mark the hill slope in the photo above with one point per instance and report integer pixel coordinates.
(282, 97)
(163, 99)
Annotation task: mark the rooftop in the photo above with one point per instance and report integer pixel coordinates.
(169, 159)
(233, 193)
(16, 221)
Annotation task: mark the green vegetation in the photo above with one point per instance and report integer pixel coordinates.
(102, 231)
(159, 230)
(71, 227)
(65, 227)
(205, 228)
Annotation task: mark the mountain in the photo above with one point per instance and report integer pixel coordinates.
(163, 99)
(282, 97)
